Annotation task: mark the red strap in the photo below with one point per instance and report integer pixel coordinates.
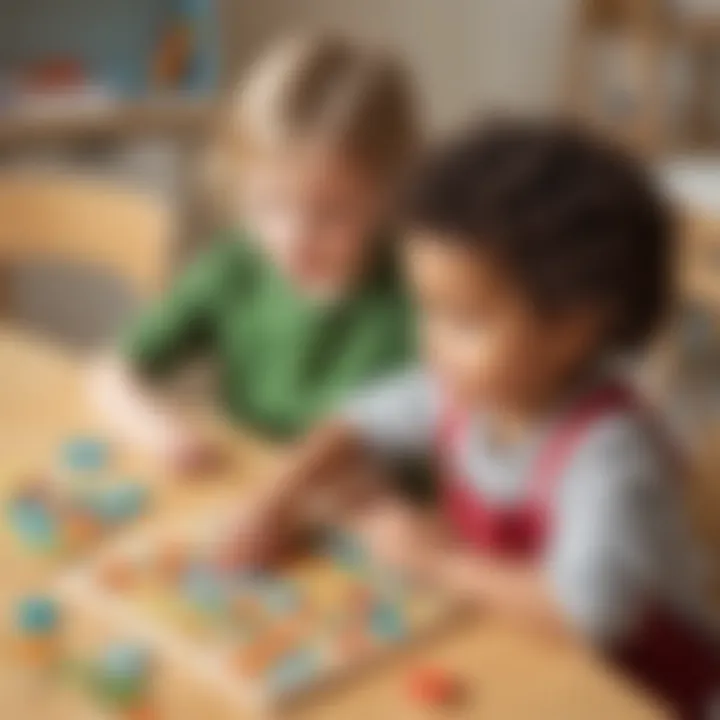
(606, 400)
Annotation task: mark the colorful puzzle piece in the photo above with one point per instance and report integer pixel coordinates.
(85, 454)
(121, 676)
(433, 686)
(37, 615)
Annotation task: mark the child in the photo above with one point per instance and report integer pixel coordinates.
(537, 256)
(302, 303)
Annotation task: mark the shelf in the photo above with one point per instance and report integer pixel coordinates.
(172, 117)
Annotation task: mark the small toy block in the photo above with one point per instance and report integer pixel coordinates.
(432, 686)
(294, 670)
(85, 454)
(127, 661)
(141, 712)
(387, 621)
(119, 502)
(33, 523)
(37, 615)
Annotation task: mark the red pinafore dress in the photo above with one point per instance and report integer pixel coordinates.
(666, 655)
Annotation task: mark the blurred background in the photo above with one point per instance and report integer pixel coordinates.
(129, 89)
(126, 92)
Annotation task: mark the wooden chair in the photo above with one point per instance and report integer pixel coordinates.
(85, 222)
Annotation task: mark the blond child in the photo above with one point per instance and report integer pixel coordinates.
(298, 302)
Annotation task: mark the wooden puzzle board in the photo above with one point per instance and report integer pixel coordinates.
(265, 640)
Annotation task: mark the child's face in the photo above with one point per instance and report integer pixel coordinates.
(483, 340)
(315, 214)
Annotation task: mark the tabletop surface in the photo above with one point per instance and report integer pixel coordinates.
(507, 675)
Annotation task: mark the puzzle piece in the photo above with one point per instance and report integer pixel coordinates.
(126, 660)
(121, 676)
(117, 503)
(33, 523)
(85, 454)
(387, 621)
(430, 685)
(294, 670)
(37, 615)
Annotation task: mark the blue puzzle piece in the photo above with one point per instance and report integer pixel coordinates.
(32, 521)
(126, 661)
(85, 454)
(387, 621)
(294, 670)
(119, 503)
(37, 615)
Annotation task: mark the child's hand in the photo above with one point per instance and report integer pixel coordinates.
(257, 537)
(399, 536)
(182, 449)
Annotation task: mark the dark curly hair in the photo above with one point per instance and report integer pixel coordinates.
(574, 219)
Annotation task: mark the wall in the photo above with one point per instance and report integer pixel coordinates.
(469, 54)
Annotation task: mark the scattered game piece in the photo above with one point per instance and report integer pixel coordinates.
(121, 676)
(119, 502)
(294, 670)
(37, 619)
(37, 615)
(429, 685)
(386, 621)
(126, 660)
(140, 712)
(85, 454)
(32, 522)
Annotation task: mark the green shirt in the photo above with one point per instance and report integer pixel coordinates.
(284, 359)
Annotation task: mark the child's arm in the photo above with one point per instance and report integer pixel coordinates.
(394, 417)
(139, 414)
(276, 512)
(178, 327)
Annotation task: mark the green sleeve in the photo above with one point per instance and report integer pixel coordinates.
(181, 325)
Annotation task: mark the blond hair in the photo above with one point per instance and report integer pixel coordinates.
(332, 90)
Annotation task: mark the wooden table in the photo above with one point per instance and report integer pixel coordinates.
(508, 675)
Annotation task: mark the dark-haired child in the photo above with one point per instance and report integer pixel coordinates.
(538, 257)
